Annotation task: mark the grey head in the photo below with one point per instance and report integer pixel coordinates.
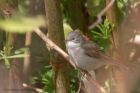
(74, 36)
(74, 39)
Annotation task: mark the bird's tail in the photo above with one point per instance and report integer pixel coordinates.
(114, 62)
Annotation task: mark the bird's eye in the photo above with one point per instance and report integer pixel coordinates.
(72, 38)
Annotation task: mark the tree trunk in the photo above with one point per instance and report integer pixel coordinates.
(130, 30)
(114, 75)
(77, 15)
(56, 34)
(118, 38)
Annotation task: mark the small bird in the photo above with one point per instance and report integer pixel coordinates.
(85, 53)
(87, 56)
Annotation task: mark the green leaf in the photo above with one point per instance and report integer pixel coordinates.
(97, 33)
(7, 63)
(21, 50)
(21, 24)
(100, 27)
(67, 28)
(14, 56)
(95, 6)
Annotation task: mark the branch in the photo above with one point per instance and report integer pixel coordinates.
(31, 87)
(99, 16)
(89, 77)
(54, 46)
(79, 89)
(26, 62)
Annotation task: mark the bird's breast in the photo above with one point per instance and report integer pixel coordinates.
(83, 61)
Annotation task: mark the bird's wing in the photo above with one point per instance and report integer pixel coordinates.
(91, 49)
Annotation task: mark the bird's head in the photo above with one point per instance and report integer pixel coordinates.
(74, 38)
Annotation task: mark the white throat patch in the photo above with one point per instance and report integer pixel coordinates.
(71, 44)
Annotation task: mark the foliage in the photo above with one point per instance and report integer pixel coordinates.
(122, 4)
(20, 53)
(74, 81)
(101, 35)
(21, 24)
(67, 28)
(44, 77)
(95, 6)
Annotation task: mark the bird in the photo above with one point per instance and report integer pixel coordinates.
(87, 56)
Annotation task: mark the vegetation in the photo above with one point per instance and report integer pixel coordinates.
(45, 68)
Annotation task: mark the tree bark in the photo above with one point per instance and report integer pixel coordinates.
(77, 15)
(129, 30)
(118, 83)
(56, 34)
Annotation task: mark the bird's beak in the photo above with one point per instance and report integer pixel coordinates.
(66, 40)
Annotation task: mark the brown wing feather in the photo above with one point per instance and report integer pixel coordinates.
(91, 49)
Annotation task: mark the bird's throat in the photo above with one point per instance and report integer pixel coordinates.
(71, 44)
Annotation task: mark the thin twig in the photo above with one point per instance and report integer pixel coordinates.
(51, 44)
(79, 89)
(31, 87)
(89, 78)
(99, 16)
(26, 66)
